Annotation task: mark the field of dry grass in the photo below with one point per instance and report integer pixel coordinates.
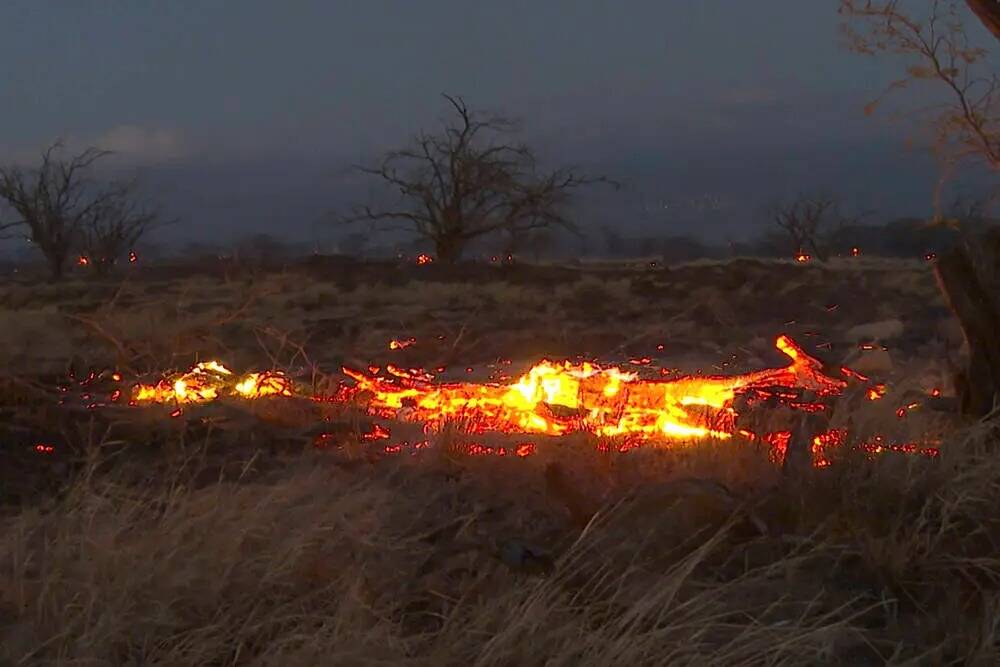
(226, 538)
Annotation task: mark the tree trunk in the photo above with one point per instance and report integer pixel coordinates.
(448, 249)
(988, 12)
(57, 264)
(819, 253)
(968, 280)
(102, 268)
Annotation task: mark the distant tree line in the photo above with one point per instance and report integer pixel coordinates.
(469, 190)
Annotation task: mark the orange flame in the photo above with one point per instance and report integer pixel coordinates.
(257, 385)
(395, 344)
(876, 392)
(201, 383)
(552, 399)
(557, 398)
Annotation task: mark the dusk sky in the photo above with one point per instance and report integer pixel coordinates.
(243, 115)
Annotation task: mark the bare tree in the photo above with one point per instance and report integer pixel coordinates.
(806, 222)
(938, 48)
(52, 202)
(469, 181)
(111, 229)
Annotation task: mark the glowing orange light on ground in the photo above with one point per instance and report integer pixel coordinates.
(876, 392)
(557, 398)
(395, 344)
(549, 399)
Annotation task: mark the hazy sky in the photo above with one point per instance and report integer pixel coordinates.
(244, 113)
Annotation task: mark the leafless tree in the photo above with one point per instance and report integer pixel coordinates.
(806, 222)
(937, 48)
(62, 211)
(468, 181)
(52, 202)
(111, 229)
(968, 128)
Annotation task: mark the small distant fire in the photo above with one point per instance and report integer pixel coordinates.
(132, 257)
(396, 344)
(424, 259)
(855, 251)
(802, 257)
(83, 261)
(876, 392)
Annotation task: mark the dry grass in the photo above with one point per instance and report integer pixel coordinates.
(181, 544)
(423, 562)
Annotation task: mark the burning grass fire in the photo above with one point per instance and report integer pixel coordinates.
(551, 399)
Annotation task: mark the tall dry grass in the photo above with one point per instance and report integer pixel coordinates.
(165, 555)
(423, 562)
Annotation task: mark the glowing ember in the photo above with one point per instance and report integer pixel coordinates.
(132, 257)
(558, 398)
(83, 261)
(551, 399)
(257, 385)
(876, 392)
(855, 251)
(202, 383)
(802, 257)
(401, 344)
(424, 259)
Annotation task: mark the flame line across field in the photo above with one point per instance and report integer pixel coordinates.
(555, 399)
(550, 399)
